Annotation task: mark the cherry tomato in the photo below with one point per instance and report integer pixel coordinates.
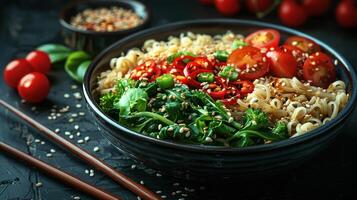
(256, 6)
(299, 56)
(265, 38)
(15, 70)
(283, 64)
(40, 61)
(250, 61)
(227, 7)
(34, 87)
(319, 70)
(206, 2)
(346, 14)
(316, 7)
(304, 44)
(292, 14)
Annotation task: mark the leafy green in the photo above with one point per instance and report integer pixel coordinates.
(133, 99)
(74, 60)
(221, 55)
(188, 116)
(56, 52)
(238, 43)
(229, 72)
(172, 57)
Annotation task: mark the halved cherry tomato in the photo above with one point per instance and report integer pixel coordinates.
(148, 69)
(283, 64)
(298, 55)
(250, 61)
(265, 38)
(304, 44)
(319, 70)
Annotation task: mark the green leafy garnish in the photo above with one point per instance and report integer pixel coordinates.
(133, 99)
(229, 72)
(56, 52)
(74, 67)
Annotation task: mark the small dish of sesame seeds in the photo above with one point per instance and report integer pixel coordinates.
(93, 25)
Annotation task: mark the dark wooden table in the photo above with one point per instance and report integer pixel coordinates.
(27, 24)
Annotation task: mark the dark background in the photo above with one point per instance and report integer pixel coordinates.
(26, 24)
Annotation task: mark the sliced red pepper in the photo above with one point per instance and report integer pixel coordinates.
(218, 94)
(145, 70)
(245, 87)
(191, 77)
(204, 62)
(230, 101)
(180, 62)
(181, 79)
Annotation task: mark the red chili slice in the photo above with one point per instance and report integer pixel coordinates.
(145, 70)
(180, 62)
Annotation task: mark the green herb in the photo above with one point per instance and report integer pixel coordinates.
(221, 55)
(172, 57)
(165, 81)
(205, 77)
(189, 116)
(229, 72)
(56, 52)
(238, 43)
(73, 63)
(133, 99)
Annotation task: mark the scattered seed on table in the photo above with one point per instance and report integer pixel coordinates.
(86, 138)
(176, 184)
(78, 106)
(81, 113)
(133, 166)
(58, 115)
(37, 140)
(96, 149)
(78, 134)
(142, 182)
(181, 199)
(80, 141)
(67, 133)
(184, 195)
(39, 184)
(86, 171)
(71, 137)
(138, 198)
(73, 87)
(77, 95)
(33, 108)
(66, 96)
(164, 196)
(52, 151)
(71, 120)
(74, 115)
(57, 130)
(43, 142)
(49, 155)
(77, 198)
(158, 175)
(158, 192)
(76, 127)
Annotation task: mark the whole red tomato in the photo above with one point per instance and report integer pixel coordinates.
(292, 14)
(34, 87)
(227, 7)
(256, 6)
(40, 61)
(346, 14)
(316, 7)
(15, 70)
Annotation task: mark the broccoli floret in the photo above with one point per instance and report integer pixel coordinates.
(280, 129)
(255, 119)
(107, 101)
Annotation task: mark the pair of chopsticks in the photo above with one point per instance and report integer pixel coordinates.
(90, 159)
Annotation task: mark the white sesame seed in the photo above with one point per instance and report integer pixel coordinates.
(86, 138)
(67, 133)
(158, 192)
(71, 137)
(81, 113)
(66, 96)
(96, 149)
(78, 134)
(86, 171)
(78, 105)
(164, 196)
(142, 182)
(43, 142)
(158, 175)
(76, 198)
(74, 87)
(133, 166)
(39, 184)
(37, 140)
(49, 155)
(33, 108)
(52, 151)
(138, 198)
(80, 141)
(57, 130)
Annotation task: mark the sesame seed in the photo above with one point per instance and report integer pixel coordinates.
(49, 155)
(71, 120)
(158, 192)
(142, 182)
(39, 184)
(77, 198)
(78, 134)
(43, 142)
(67, 133)
(52, 151)
(76, 127)
(57, 130)
(37, 140)
(158, 175)
(138, 198)
(71, 137)
(73, 87)
(81, 113)
(78, 105)
(86, 138)
(164, 196)
(96, 149)
(80, 141)
(66, 96)
(133, 166)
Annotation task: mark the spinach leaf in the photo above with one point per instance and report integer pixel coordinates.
(73, 62)
(133, 99)
(56, 52)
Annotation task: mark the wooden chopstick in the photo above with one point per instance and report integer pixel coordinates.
(58, 174)
(98, 164)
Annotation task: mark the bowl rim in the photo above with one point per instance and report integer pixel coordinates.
(347, 110)
(72, 4)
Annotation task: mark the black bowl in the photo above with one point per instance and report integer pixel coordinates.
(93, 41)
(211, 162)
